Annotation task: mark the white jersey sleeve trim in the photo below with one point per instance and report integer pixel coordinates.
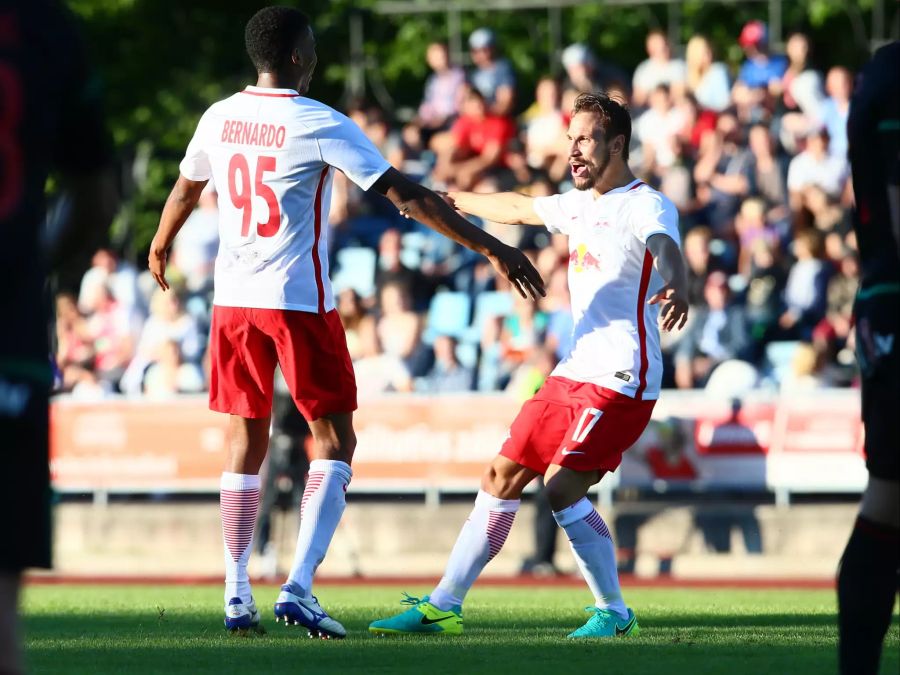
(345, 147)
(651, 213)
(196, 165)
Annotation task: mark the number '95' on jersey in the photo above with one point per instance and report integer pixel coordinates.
(271, 154)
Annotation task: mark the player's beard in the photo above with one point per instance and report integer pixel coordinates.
(593, 171)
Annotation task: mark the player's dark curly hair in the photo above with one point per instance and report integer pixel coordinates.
(613, 114)
(271, 34)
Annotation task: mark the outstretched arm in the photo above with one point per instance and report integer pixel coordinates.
(421, 204)
(673, 296)
(511, 208)
(179, 205)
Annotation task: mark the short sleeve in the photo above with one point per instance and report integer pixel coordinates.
(559, 212)
(196, 165)
(505, 75)
(345, 147)
(795, 177)
(651, 213)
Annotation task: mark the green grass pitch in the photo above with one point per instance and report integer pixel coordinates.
(178, 629)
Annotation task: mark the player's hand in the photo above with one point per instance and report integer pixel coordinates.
(157, 264)
(514, 265)
(447, 197)
(674, 310)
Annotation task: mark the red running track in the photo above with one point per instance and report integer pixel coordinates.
(563, 581)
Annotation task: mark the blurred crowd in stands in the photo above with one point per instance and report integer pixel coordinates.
(755, 161)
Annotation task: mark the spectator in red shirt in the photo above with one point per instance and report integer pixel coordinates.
(481, 143)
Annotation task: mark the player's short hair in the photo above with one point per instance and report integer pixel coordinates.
(614, 116)
(271, 34)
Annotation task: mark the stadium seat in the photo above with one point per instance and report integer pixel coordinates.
(488, 304)
(414, 244)
(467, 355)
(448, 315)
(356, 270)
(779, 356)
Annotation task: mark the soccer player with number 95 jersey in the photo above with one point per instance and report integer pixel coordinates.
(272, 152)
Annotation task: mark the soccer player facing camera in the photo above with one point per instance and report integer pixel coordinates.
(272, 153)
(624, 265)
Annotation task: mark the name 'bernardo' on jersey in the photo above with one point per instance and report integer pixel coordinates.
(253, 133)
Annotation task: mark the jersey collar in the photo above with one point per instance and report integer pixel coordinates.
(624, 188)
(269, 91)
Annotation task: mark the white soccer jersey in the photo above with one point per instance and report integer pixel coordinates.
(272, 154)
(611, 275)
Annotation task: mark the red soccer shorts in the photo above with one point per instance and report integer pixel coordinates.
(246, 344)
(576, 425)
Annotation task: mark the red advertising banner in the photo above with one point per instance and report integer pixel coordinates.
(422, 443)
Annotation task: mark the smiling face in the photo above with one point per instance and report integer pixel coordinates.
(589, 149)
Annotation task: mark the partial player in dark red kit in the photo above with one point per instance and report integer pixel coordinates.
(50, 118)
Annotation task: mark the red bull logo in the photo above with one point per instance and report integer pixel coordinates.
(581, 259)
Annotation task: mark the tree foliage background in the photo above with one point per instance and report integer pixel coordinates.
(164, 61)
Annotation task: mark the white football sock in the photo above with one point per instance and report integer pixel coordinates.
(593, 548)
(480, 539)
(238, 504)
(320, 512)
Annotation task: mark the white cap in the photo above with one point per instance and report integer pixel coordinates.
(577, 54)
(482, 38)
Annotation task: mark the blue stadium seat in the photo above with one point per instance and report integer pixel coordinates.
(448, 315)
(488, 304)
(467, 355)
(356, 270)
(779, 356)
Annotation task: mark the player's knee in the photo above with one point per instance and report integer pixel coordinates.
(500, 483)
(556, 495)
(336, 447)
(561, 493)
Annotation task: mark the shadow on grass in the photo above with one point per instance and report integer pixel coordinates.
(436, 656)
(163, 620)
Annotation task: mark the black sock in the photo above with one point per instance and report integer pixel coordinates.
(867, 585)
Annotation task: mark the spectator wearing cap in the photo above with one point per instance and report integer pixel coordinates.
(585, 73)
(706, 78)
(659, 68)
(718, 333)
(761, 68)
(815, 167)
(493, 76)
(836, 108)
(443, 90)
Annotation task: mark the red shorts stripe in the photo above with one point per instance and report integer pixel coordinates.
(576, 425)
(246, 344)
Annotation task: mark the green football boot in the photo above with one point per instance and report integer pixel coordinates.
(421, 617)
(604, 623)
